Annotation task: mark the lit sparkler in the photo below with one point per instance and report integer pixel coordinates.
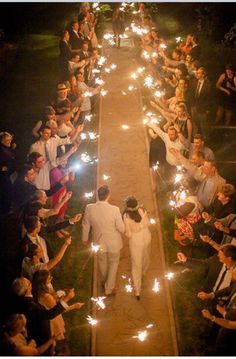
(128, 287)
(108, 36)
(178, 39)
(93, 136)
(156, 286)
(154, 54)
(89, 195)
(123, 93)
(134, 76)
(131, 88)
(142, 335)
(105, 177)
(88, 94)
(125, 127)
(102, 60)
(83, 136)
(149, 326)
(107, 70)
(99, 301)
(169, 275)
(178, 177)
(163, 46)
(113, 66)
(103, 93)
(145, 121)
(158, 93)
(95, 71)
(91, 320)
(140, 70)
(148, 81)
(156, 166)
(88, 118)
(99, 82)
(95, 247)
(85, 157)
(146, 55)
(152, 221)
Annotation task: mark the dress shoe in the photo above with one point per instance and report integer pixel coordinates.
(112, 294)
(137, 297)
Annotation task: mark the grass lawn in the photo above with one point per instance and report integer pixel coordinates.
(25, 90)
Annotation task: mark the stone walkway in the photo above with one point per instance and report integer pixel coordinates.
(123, 155)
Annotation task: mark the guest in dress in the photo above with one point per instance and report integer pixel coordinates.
(136, 229)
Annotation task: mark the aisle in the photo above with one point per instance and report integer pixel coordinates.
(123, 155)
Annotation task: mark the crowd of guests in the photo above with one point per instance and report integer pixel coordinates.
(181, 97)
(32, 314)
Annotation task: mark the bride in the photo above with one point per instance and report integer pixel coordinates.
(136, 229)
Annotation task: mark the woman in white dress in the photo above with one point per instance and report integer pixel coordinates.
(136, 229)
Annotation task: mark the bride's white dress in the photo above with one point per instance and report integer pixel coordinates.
(140, 245)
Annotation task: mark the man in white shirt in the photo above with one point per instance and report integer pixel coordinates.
(106, 223)
(171, 140)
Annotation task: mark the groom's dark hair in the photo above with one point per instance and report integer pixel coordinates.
(103, 193)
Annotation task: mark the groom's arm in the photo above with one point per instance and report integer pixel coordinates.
(86, 226)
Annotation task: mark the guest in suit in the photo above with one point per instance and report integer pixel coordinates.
(107, 226)
(65, 55)
(75, 39)
(200, 92)
(196, 50)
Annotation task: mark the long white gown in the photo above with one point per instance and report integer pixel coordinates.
(140, 245)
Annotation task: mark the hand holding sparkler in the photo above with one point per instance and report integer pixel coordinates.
(206, 216)
(206, 314)
(76, 218)
(181, 257)
(204, 295)
(70, 295)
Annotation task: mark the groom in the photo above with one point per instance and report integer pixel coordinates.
(107, 226)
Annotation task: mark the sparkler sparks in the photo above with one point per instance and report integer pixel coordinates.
(134, 76)
(178, 39)
(142, 335)
(99, 301)
(158, 94)
(89, 195)
(85, 157)
(169, 275)
(178, 177)
(149, 326)
(103, 93)
(128, 287)
(93, 136)
(125, 127)
(140, 70)
(123, 93)
(91, 320)
(88, 118)
(83, 136)
(99, 82)
(152, 221)
(95, 71)
(108, 36)
(113, 66)
(163, 46)
(88, 94)
(156, 286)
(131, 88)
(95, 247)
(107, 70)
(106, 178)
(102, 60)
(156, 166)
(148, 81)
(172, 203)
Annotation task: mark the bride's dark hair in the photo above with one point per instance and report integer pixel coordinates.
(131, 208)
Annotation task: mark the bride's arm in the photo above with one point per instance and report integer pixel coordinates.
(128, 232)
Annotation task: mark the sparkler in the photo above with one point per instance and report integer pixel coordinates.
(95, 6)
(169, 275)
(156, 166)
(95, 71)
(88, 118)
(99, 301)
(179, 167)
(163, 46)
(145, 121)
(146, 55)
(106, 178)
(83, 136)
(142, 335)
(91, 320)
(88, 94)
(107, 70)
(93, 136)
(99, 82)
(108, 36)
(102, 60)
(125, 127)
(85, 157)
(131, 88)
(103, 93)
(158, 94)
(173, 204)
(113, 66)
(140, 70)
(128, 287)
(123, 93)
(149, 326)
(152, 221)
(89, 195)
(99, 46)
(178, 177)
(178, 39)
(154, 54)
(134, 76)
(148, 81)
(112, 42)
(156, 286)
(95, 247)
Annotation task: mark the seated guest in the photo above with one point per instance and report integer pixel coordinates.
(16, 334)
(23, 302)
(7, 170)
(35, 257)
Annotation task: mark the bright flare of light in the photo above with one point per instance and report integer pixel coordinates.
(91, 320)
(156, 286)
(156, 166)
(128, 287)
(99, 82)
(108, 36)
(131, 88)
(154, 120)
(142, 335)
(149, 114)
(158, 93)
(123, 36)
(127, 29)
(75, 166)
(93, 136)
(154, 54)
(134, 76)
(152, 221)
(125, 127)
(102, 60)
(179, 167)
(95, 5)
(145, 121)
(107, 70)
(113, 66)
(83, 136)
(106, 178)
(85, 157)
(88, 118)
(146, 55)
(149, 326)
(140, 70)
(103, 93)
(95, 71)
(163, 46)
(95, 247)
(172, 203)
(99, 301)
(89, 195)
(148, 81)
(123, 93)
(112, 42)
(169, 275)
(178, 39)
(99, 46)
(178, 177)
(88, 94)
(183, 195)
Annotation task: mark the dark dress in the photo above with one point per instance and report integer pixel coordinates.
(157, 152)
(224, 100)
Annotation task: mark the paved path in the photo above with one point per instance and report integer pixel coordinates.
(123, 155)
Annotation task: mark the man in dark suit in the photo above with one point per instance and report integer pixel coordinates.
(84, 53)
(196, 50)
(38, 318)
(75, 39)
(200, 100)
